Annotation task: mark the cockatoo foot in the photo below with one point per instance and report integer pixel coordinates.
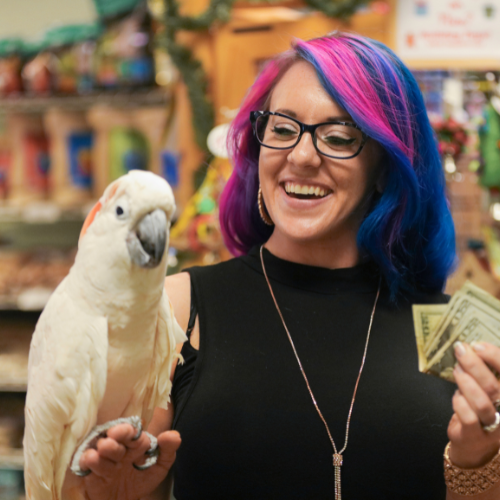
(100, 431)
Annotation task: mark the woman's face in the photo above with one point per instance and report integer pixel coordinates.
(346, 186)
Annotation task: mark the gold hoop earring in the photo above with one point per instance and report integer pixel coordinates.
(262, 209)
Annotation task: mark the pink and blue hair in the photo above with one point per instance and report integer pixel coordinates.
(409, 230)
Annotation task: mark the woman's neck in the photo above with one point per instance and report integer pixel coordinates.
(332, 254)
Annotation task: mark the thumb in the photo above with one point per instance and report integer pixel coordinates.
(169, 442)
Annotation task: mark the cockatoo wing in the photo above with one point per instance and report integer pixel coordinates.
(168, 335)
(66, 382)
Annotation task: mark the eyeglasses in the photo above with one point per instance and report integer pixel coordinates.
(335, 139)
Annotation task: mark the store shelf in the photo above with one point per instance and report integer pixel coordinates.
(119, 98)
(13, 387)
(12, 459)
(32, 299)
(42, 213)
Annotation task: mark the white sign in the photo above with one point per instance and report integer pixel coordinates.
(448, 29)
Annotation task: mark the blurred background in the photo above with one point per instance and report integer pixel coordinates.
(90, 89)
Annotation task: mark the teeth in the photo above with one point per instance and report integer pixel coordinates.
(307, 190)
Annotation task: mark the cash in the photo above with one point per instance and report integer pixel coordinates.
(472, 315)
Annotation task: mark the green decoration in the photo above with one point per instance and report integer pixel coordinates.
(191, 70)
(489, 136)
(10, 46)
(111, 8)
(73, 33)
(128, 151)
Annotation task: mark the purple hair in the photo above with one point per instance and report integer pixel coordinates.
(408, 232)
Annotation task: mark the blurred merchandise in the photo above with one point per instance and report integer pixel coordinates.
(11, 484)
(37, 71)
(128, 151)
(14, 350)
(170, 167)
(72, 48)
(38, 270)
(10, 66)
(70, 153)
(11, 428)
(489, 135)
(123, 55)
(28, 179)
(197, 228)
(110, 8)
(125, 140)
(5, 161)
(452, 137)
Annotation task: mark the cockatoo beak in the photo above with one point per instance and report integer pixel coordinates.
(146, 243)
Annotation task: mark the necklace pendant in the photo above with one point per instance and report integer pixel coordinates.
(337, 463)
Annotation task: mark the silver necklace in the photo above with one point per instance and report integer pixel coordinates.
(337, 455)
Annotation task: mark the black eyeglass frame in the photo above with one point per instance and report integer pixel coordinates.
(254, 115)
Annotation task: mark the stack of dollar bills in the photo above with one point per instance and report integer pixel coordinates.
(472, 315)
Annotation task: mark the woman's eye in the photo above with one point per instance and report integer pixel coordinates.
(284, 131)
(338, 141)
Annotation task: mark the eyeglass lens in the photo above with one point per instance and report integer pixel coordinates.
(331, 139)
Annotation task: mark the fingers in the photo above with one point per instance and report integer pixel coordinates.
(475, 366)
(467, 416)
(110, 449)
(124, 435)
(169, 443)
(476, 383)
(489, 353)
(471, 446)
(99, 465)
(120, 448)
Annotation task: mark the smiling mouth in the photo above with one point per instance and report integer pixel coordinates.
(303, 192)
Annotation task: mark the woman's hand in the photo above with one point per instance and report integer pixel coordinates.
(113, 477)
(473, 403)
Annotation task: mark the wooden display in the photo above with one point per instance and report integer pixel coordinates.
(59, 124)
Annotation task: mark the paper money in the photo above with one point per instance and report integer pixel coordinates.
(473, 328)
(426, 319)
(471, 315)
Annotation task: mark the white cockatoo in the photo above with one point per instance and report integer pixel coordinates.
(104, 345)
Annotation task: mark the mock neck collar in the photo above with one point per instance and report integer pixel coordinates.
(362, 278)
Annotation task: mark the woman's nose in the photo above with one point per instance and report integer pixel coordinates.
(304, 154)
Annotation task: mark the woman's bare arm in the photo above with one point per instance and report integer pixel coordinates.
(113, 477)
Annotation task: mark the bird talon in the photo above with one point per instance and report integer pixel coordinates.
(152, 453)
(139, 432)
(81, 473)
(100, 431)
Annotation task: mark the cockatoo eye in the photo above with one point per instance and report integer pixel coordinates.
(121, 212)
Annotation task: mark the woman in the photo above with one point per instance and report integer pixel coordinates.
(337, 175)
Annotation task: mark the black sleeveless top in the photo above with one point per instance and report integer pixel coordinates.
(248, 425)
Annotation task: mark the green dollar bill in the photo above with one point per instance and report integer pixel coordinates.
(425, 319)
(474, 327)
(463, 305)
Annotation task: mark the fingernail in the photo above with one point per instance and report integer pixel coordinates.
(459, 349)
(477, 346)
(458, 368)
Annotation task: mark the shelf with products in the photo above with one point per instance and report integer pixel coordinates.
(123, 98)
(12, 459)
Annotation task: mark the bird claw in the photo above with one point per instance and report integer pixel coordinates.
(139, 431)
(152, 453)
(100, 431)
